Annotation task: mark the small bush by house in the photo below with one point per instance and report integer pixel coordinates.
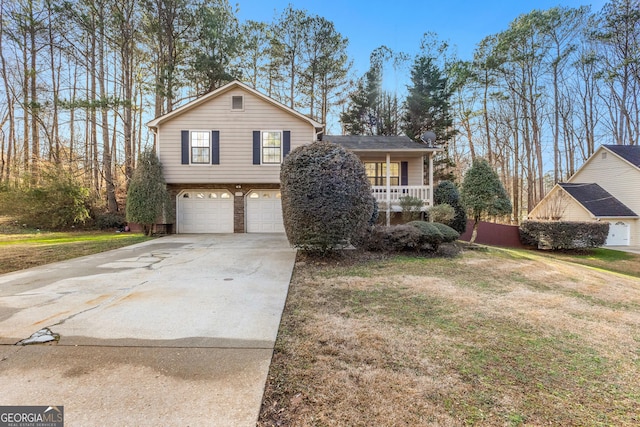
(443, 213)
(413, 236)
(447, 193)
(411, 208)
(434, 234)
(394, 238)
(564, 235)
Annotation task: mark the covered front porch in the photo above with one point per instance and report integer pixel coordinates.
(393, 194)
(396, 167)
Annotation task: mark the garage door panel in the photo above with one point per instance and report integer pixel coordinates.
(205, 211)
(619, 232)
(264, 212)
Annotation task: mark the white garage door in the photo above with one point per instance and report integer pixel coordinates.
(618, 234)
(264, 212)
(205, 211)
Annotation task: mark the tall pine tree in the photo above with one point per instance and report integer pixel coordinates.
(427, 108)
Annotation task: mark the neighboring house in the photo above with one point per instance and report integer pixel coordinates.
(221, 157)
(605, 188)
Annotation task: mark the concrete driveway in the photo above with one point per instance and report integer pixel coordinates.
(175, 331)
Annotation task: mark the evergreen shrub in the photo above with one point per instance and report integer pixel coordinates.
(58, 201)
(411, 207)
(326, 198)
(446, 192)
(564, 235)
(443, 213)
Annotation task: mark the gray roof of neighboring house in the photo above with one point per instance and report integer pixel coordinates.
(630, 153)
(597, 200)
(378, 143)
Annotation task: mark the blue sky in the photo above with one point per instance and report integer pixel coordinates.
(400, 24)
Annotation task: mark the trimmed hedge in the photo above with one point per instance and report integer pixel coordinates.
(395, 238)
(413, 236)
(564, 235)
(434, 234)
(326, 197)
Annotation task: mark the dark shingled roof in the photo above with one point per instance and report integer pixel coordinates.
(378, 143)
(630, 153)
(597, 200)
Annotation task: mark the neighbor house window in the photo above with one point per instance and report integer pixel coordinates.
(237, 103)
(271, 147)
(200, 147)
(377, 173)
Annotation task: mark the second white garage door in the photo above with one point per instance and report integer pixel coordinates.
(618, 234)
(264, 212)
(205, 211)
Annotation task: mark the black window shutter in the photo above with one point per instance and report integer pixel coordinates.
(286, 143)
(404, 173)
(215, 147)
(256, 147)
(185, 147)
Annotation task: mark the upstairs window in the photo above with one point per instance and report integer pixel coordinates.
(200, 147)
(271, 147)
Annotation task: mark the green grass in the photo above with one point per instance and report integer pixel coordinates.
(31, 249)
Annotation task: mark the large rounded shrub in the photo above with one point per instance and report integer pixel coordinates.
(326, 197)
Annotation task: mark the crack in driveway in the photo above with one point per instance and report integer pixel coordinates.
(34, 338)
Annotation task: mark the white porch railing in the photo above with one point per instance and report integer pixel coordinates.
(398, 191)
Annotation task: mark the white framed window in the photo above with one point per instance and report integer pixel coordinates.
(377, 172)
(237, 103)
(271, 147)
(200, 147)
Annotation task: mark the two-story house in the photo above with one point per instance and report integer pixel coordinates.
(221, 157)
(605, 188)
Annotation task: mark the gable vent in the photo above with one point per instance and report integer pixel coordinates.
(237, 103)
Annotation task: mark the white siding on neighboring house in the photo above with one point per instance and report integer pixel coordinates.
(615, 175)
(619, 178)
(236, 139)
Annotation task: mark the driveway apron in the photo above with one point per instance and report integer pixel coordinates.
(175, 331)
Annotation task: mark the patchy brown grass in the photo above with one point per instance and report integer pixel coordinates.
(485, 338)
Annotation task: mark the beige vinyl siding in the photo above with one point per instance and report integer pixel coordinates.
(576, 212)
(571, 210)
(236, 139)
(634, 238)
(618, 177)
(414, 166)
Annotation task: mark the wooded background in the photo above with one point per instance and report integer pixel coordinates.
(81, 77)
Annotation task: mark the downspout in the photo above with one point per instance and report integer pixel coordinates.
(430, 179)
(388, 177)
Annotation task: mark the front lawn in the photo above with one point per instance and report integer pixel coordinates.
(31, 248)
(486, 338)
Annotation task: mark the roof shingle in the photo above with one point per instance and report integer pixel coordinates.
(597, 200)
(378, 143)
(630, 153)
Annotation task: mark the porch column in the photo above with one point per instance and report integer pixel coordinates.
(388, 177)
(430, 179)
